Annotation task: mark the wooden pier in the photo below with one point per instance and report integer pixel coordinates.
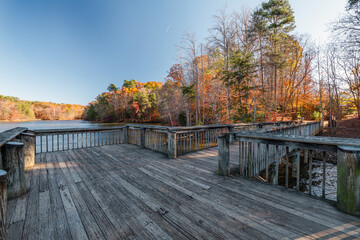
(126, 192)
(152, 182)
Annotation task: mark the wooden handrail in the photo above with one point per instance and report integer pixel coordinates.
(8, 135)
(39, 132)
(72, 138)
(255, 155)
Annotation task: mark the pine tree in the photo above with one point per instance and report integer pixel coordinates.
(277, 22)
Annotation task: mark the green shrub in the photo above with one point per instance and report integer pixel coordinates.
(316, 115)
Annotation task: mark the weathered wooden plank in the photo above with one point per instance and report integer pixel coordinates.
(32, 216)
(266, 227)
(16, 230)
(118, 213)
(108, 229)
(289, 196)
(20, 210)
(43, 175)
(195, 230)
(123, 185)
(76, 227)
(44, 229)
(260, 198)
(56, 182)
(88, 222)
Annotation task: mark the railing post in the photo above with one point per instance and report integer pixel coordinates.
(3, 206)
(308, 132)
(224, 155)
(142, 137)
(231, 137)
(348, 179)
(172, 144)
(28, 139)
(13, 162)
(126, 134)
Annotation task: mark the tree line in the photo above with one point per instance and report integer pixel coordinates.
(14, 109)
(251, 67)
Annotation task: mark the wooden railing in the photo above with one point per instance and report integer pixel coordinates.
(254, 156)
(52, 140)
(156, 140)
(185, 139)
(259, 151)
(190, 139)
(195, 140)
(262, 154)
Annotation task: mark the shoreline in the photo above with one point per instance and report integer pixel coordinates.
(17, 121)
(36, 120)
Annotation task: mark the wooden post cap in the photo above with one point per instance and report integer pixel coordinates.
(28, 134)
(3, 175)
(14, 144)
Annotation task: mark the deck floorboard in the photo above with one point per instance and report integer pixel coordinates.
(125, 192)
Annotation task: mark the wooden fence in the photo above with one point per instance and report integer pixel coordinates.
(182, 140)
(52, 140)
(293, 147)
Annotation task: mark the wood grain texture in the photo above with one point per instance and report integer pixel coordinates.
(3, 206)
(127, 192)
(13, 163)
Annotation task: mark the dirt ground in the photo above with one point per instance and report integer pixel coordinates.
(348, 128)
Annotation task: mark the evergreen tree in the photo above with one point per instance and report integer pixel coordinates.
(276, 19)
(112, 87)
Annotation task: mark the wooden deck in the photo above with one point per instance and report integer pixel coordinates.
(125, 192)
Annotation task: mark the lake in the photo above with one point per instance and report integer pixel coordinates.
(33, 125)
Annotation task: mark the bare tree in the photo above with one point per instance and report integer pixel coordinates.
(222, 37)
(349, 64)
(347, 29)
(191, 71)
(321, 84)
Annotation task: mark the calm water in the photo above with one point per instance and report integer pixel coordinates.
(32, 125)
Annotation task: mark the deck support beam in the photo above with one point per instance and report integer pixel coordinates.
(348, 179)
(3, 206)
(224, 155)
(28, 139)
(13, 163)
(231, 131)
(126, 135)
(172, 145)
(142, 137)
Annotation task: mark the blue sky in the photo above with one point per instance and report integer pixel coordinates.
(69, 51)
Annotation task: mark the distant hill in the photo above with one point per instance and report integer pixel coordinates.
(14, 109)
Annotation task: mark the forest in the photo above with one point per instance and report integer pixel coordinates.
(14, 109)
(252, 67)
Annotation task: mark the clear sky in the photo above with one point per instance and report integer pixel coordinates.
(69, 51)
